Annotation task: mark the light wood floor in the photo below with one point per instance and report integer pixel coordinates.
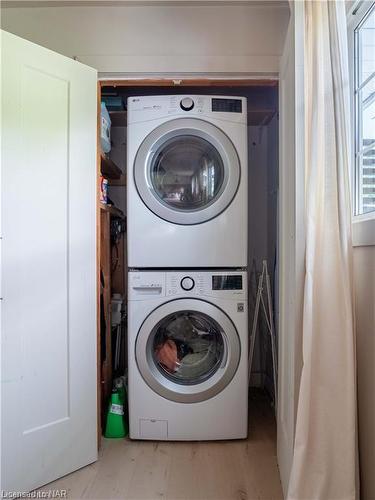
(144, 470)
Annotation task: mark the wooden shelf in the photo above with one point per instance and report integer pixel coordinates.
(109, 169)
(118, 182)
(112, 210)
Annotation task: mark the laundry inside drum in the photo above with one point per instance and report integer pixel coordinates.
(187, 173)
(188, 347)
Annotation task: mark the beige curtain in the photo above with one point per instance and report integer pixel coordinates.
(324, 463)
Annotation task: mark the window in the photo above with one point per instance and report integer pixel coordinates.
(364, 94)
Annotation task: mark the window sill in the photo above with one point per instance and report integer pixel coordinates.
(364, 230)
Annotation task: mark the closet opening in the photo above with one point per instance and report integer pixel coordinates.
(263, 174)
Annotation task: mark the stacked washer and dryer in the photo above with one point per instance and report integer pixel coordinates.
(187, 258)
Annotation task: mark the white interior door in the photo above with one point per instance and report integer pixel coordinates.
(291, 236)
(48, 265)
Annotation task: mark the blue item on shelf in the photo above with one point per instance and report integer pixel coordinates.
(113, 103)
(105, 131)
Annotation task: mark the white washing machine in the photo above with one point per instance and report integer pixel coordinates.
(188, 346)
(187, 181)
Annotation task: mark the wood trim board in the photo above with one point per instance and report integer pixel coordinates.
(98, 257)
(189, 82)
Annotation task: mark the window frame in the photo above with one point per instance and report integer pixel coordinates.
(363, 224)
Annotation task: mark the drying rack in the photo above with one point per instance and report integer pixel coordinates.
(264, 282)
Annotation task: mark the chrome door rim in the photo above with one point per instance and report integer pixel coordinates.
(195, 392)
(197, 128)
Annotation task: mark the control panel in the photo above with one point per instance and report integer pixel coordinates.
(144, 285)
(145, 108)
(205, 283)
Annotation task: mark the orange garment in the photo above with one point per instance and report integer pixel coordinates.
(167, 355)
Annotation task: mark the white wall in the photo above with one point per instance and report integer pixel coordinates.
(263, 185)
(257, 237)
(364, 280)
(159, 39)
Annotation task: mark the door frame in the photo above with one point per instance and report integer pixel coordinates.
(291, 237)
(186, 82)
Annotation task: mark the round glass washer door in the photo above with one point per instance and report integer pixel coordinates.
(187, 171)
(187, 350)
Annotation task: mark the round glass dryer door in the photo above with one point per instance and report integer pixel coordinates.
(187, 171)
(187, 350)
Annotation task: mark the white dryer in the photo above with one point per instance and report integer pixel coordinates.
(188, 364)
(187, 181)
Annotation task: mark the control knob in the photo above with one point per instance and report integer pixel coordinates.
(187, 283)
(187, 104)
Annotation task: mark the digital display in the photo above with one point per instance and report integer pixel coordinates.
(227, 105)
(227, 282)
